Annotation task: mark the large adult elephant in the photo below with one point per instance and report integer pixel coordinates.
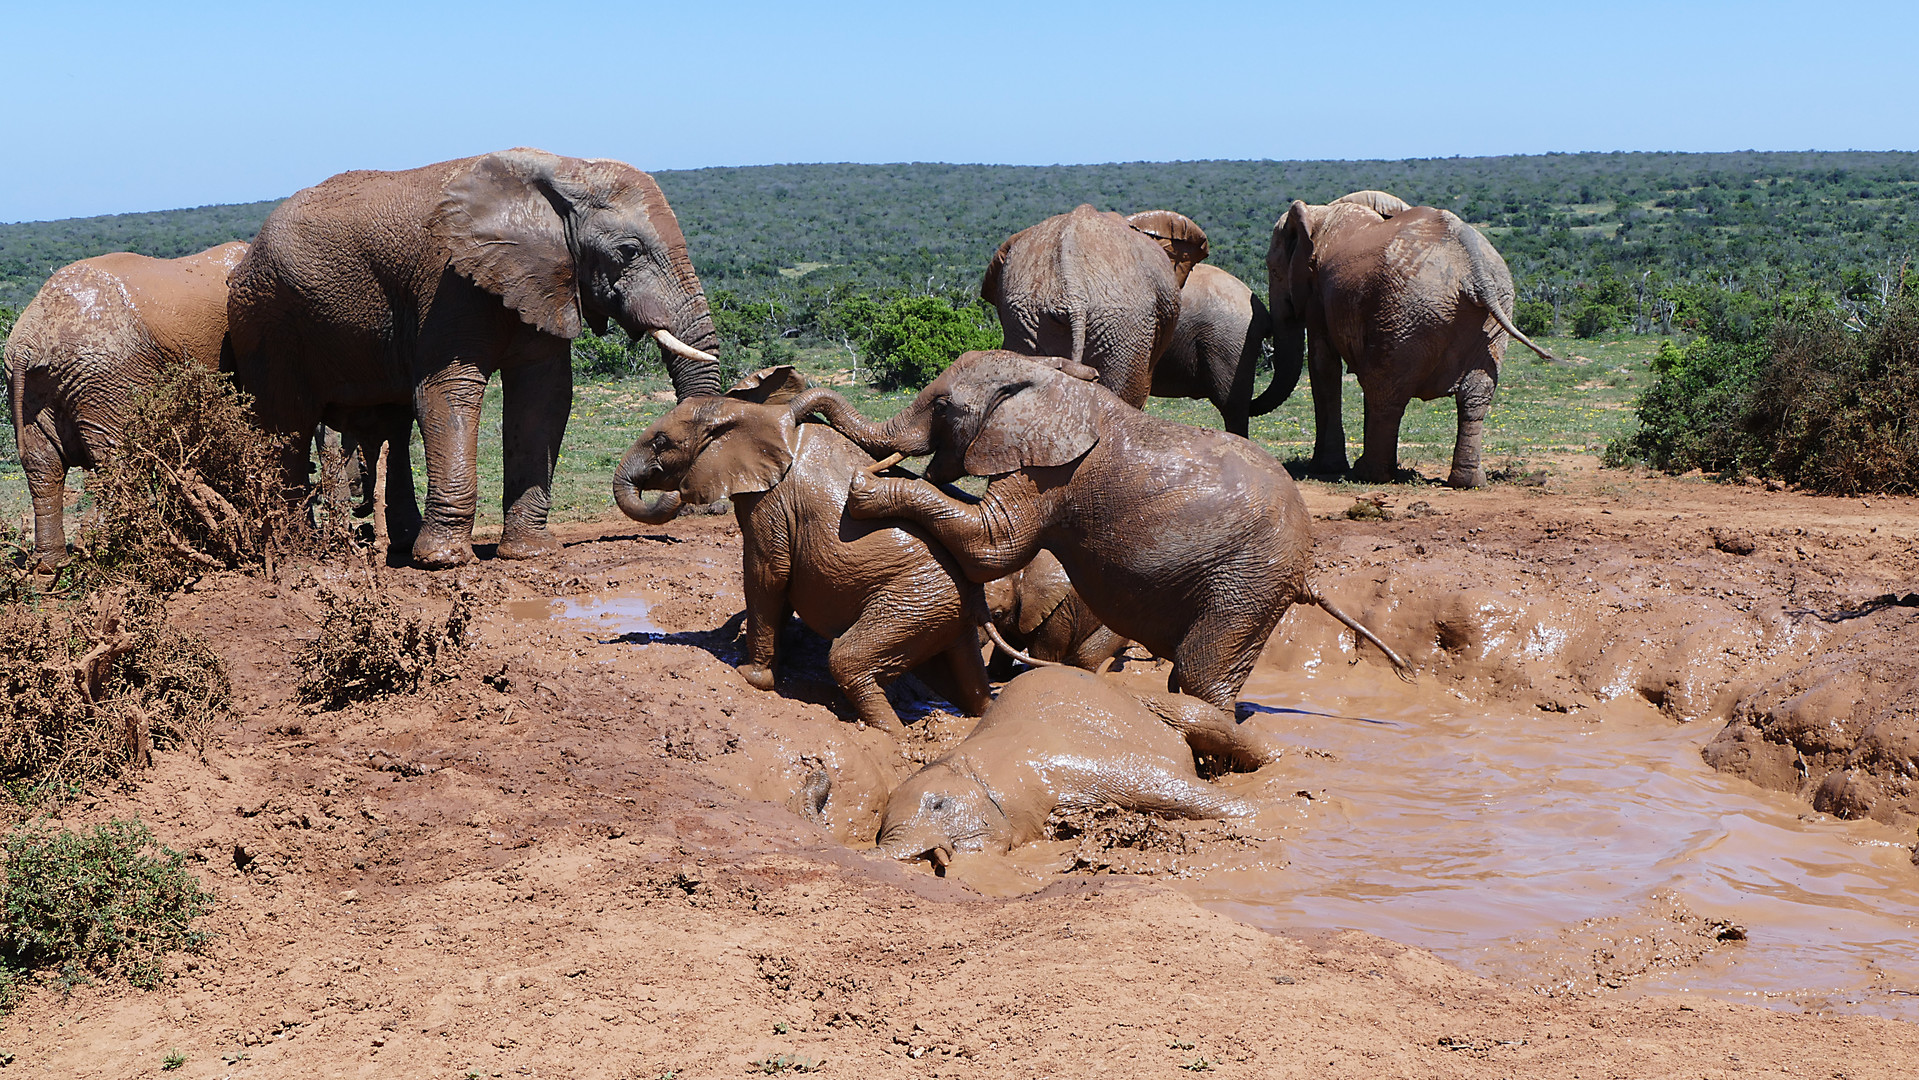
(392, 288)
(96, 336)
(1415, 301)
(1097, 288)
(1215, 351)
(1188, 540)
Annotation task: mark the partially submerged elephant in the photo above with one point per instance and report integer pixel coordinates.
(1097, 288)
(1060, 737)
(98, 335)
(1038, 611)
(394, 288)
(1415, 301)
(890, 598)
(1215, 351)
(1190, 541)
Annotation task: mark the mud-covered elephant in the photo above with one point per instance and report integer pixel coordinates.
(1058, 737)
(1190, 541)
(1215, 351)
(1097, 288)
(1038, 612)
(414, 287)
(890, 598)
(1415, 301)
(98, 335)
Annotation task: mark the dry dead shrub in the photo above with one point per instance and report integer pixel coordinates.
(369, 648)
(90, 688)
(193, 486)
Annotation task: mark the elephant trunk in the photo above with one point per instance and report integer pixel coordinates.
(910, 433)
(628, 494)
(690, 349)
(1289, 357)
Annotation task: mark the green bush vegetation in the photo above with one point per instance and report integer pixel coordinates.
(109, 903)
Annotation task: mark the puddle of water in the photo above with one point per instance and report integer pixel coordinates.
(1481, 836)
(619, 614)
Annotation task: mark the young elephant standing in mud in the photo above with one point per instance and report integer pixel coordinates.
(889, 597)
(1062, 737)
(1190, 541)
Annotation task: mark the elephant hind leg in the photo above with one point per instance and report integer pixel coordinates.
(1178, 797)
(1212, 733)
(1215, 657)
(1475, 398)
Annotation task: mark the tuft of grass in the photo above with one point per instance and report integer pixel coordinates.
(775, 1064)
(172, 1061)
(368, 648)
(108, 903)
(89, 688)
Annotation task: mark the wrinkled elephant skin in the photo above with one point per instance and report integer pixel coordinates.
(1060, 737)
(1415, 301)
(98, 335)
(891, 599)
(378, 289)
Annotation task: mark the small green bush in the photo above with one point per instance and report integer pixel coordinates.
(111, 902)
(1533, 317)
(909, 340)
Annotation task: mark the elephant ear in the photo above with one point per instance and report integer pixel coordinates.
(503, 220)
(771, 386)
(1295, 249)
(1379, 202)
(1039, 421)
(1181, 236)
(1043, 587)
(746, 447)
(989, 286)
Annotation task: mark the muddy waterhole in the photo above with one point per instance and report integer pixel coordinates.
(1557, 852)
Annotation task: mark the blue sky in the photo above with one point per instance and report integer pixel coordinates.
(136, 107)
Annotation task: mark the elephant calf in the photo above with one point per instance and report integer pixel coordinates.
(1037, 610)
(889, 597)
(98, 335)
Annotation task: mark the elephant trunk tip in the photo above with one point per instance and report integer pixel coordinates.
(634, 504)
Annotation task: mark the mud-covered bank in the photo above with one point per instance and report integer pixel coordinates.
(590, 854)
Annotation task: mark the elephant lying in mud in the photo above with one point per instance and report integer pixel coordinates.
(1058, 737)
(1190, 541)
(96, 336)
(890, 598)
(1039, 612)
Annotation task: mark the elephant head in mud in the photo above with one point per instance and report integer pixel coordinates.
(1059, 737)
(1190, 541)
(1415, 301)
(1098, 288)
(891, 600)
(412, 288)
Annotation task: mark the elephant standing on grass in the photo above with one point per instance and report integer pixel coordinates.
(98, 335)
(1097, 288)
(1215, 351)
(1188, 540)
(1412, 299)
(412, 288)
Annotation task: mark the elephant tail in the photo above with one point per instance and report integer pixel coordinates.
(1400, 666)
(1512, 331)
(1285, 381)
(1030, 661)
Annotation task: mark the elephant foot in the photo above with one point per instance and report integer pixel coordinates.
(1327, 466)
(1375, 474)
(1467, 478)
(758, 676)
(430, 554)
(527, 544)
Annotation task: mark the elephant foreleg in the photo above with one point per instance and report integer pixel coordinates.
(1475, 398)
(988, 541)
(765, 579)
(1329, 425)
(47, 483)
(538, 398)
(447, 402)
(1379, 458)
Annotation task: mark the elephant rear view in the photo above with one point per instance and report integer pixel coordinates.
(412, 288)
(1415, 301)
(96, 336)
(1097, 288)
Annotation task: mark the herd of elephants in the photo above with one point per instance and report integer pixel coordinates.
(376, 300)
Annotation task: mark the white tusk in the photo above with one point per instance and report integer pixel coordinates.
(675, 345)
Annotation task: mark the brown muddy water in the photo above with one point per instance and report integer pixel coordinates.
(1538, 849)
(1491, 838)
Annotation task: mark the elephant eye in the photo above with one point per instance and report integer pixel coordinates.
(628, 252)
